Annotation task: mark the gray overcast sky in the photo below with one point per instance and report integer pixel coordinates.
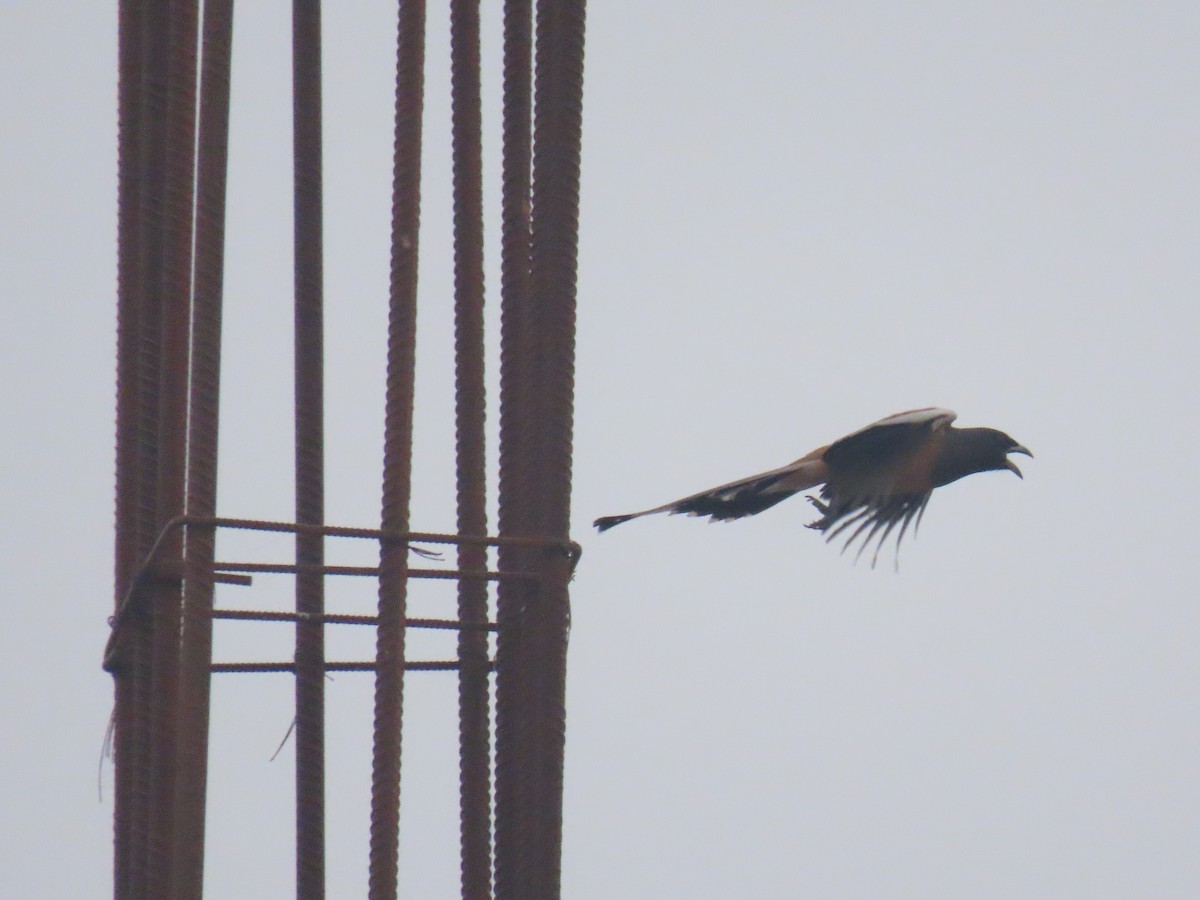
(796, 219)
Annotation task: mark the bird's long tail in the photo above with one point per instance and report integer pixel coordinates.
(606, 522)
(737, 499)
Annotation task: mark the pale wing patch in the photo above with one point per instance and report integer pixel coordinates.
(935, 417)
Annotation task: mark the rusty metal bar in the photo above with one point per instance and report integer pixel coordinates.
(436, 665)
(173, 298)
(558, 103)
(554, 258)
(130, 737)
(368, 571)
(195, 650)
(155, 57)
(229, 578)
(516, 425)
(256, 615)
(475, 797)
(397, 454)
(310, 452)
(396, 536)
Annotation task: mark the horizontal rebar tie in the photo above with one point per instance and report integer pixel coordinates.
(254, 615)
(152, 569)
(287, 667)
(223, 571)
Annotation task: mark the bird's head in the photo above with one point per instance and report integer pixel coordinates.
(970, 450)
(994, 448)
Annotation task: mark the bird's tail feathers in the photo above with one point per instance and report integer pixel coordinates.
(606, 522)
(738, 499)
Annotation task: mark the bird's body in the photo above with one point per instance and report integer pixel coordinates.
(871, 481)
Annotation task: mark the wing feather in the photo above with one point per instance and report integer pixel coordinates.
(867, 517)
(886, 442)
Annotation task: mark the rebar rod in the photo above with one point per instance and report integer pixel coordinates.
(129, 777)
(516, 425)
(211, 164)
(309, 449)
(397, 454)
(474, 665)
(558, 101)
(170, 289)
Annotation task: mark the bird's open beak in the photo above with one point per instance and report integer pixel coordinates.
(1012, 466)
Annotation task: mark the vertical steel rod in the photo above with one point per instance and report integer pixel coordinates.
(558, 102)
(128, 552)
(555, 242)
(155, 31)
(195, 653)
(309, 449)
(397, 455)
(473, 676)
(516, 425)
(172, 295)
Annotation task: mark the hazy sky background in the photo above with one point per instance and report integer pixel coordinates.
(795, 220)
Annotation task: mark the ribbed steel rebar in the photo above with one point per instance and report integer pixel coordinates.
(127, 553)
(174, 835)
(169, 287)
(401, 365)
(555, 241)
(195, 653)
(154, 56)
(558, 103)
(309, 447)
(516, 426)
(474, 665)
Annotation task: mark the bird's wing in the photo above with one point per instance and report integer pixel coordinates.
(887, 442)
(880, 478)
(743, 497)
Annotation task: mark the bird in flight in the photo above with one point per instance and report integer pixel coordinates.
(871, 482)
